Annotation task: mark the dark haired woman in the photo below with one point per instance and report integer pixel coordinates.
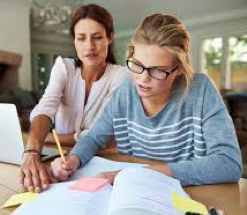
(77, 92)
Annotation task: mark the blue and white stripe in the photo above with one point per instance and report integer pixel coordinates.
(179, 141)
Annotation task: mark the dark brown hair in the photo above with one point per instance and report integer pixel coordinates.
(100, 15)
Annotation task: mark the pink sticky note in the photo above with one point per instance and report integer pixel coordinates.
(88, 184)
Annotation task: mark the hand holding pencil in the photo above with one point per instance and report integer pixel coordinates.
(61, 167)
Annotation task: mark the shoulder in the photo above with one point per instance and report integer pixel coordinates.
(201, 78)
(69, 63)
(117, 70)
(203, 90)
(66, 63)
(125, 89)
(65, 66)
(202, 82)
(115, 75)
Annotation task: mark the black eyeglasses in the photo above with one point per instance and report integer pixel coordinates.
(155, 72)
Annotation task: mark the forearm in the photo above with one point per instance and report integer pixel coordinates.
(207, 170)
(40, 127)
(85, 149)
(65, 139)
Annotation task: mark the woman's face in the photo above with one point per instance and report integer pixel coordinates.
(153, 56)
(91, 42)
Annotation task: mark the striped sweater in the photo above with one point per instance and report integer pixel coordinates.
(193, 133)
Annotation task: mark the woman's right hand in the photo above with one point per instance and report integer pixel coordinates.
(61, 171)
(34, 175)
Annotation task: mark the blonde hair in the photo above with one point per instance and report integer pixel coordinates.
(168, 32)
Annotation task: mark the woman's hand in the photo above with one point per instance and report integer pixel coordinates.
(61, 171)
(34, 175)
(163, 168)
(110, 176)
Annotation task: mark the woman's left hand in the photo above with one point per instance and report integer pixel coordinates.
(163, 168)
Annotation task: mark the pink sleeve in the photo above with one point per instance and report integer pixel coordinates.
(50, 101)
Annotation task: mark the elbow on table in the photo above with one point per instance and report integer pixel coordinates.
(233, 171)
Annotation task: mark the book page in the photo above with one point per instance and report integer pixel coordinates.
(59, 199)
(98, 164)
(144, 189)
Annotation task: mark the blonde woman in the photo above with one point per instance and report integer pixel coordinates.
(165, 113)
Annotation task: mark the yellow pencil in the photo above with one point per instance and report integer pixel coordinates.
(58, 145)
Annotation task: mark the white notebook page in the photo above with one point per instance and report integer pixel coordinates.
(142, 188)
(132, 182)
(60, 200)
(63, 201)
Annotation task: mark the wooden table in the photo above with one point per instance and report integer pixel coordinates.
(232, 198)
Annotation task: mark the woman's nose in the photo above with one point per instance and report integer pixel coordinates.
(144, 76)
(89, 43)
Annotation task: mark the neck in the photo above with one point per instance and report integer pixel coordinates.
(154, 104)
(93, 73)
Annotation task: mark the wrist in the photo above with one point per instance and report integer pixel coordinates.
(163, 168)
(166, 170)
(75, 160)
(34, 143)
(169, 172)
(31, 152)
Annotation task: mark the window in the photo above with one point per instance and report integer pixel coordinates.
(238, 62)
(225, 61)
(212, 53)
(42, 64)
(41, 71)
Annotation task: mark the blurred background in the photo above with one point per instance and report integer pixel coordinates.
(34, 32)
(37, 31)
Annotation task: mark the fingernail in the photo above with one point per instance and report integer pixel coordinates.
(30, 188)
(37, 189)
(45, 186)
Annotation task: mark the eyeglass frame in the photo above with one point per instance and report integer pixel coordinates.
(167, 72)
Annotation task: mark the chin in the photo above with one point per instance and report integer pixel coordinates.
(93, 62)
(90, 63)
(144, 94)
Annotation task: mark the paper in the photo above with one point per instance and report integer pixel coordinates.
(98, 164)
(188, 205)
(18, 199)
(58, 199)
(134, 188)
(71, 202)
(88, 184)
(146, 190)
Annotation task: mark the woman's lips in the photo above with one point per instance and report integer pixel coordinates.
(92, 55)
(143, 87)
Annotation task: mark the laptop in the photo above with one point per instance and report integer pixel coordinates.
(11, 142)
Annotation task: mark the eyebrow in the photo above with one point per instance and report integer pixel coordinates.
(165, 67)
(95, 33)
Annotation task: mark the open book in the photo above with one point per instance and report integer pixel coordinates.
(136, 191)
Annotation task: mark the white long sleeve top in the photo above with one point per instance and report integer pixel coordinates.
(64, 97)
